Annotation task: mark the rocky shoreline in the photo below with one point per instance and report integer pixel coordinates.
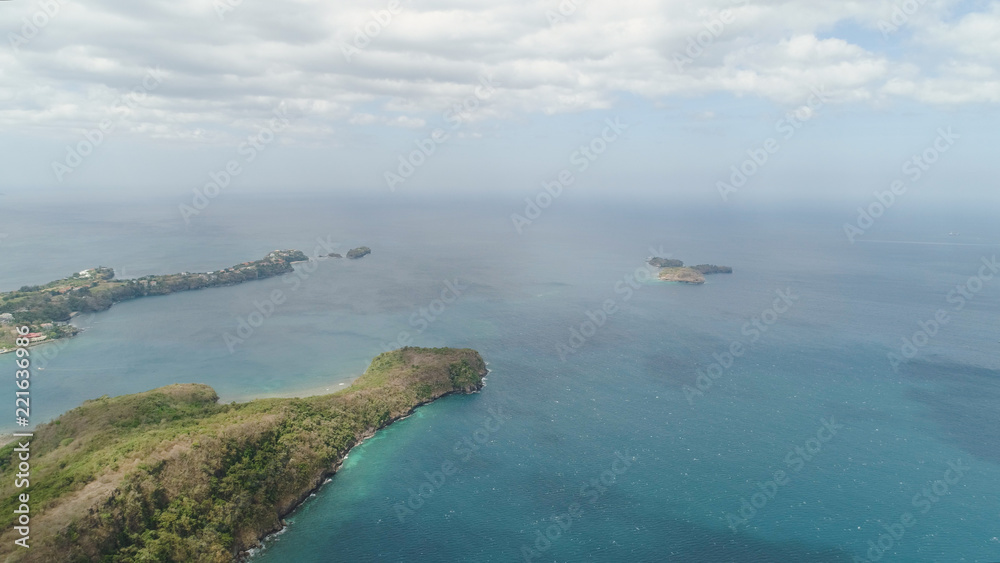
(251, 551)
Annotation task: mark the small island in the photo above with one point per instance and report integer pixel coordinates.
(173, 475)
(682, 275)
(675, 271)
(47, 309)
(359, 252)
(658, 262)
(708, 269)
(334, 255)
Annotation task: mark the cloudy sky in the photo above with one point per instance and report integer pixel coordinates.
(337, 96)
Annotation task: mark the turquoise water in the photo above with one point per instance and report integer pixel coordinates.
(528, 454)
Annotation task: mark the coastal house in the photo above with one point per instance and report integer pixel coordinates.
(35, 336)
(85, 274)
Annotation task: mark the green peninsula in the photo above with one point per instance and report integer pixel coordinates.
(172, 475)
(47, 308)
(675, 271)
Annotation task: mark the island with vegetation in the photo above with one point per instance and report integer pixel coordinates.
(658, 262)
(708, 269)
(47, 309)
(359, 252)
(173, 475)
(675, 271)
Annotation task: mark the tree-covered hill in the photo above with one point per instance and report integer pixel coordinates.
(172, 475)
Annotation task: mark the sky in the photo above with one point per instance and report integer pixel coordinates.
(710, 102)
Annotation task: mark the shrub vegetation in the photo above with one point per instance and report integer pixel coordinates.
(172, 475)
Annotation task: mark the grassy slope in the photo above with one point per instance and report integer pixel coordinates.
(171, 475)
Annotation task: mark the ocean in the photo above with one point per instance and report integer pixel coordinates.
(774, 414)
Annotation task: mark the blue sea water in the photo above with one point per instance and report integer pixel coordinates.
(610, 448)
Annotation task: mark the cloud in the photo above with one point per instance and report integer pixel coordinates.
(366, 64)
(397, 121)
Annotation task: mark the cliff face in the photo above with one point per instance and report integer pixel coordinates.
(171, 475)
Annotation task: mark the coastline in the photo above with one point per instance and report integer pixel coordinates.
(298, 393)
(248, 554)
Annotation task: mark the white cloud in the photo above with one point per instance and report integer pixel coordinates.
(225, 75)
(397, 121)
